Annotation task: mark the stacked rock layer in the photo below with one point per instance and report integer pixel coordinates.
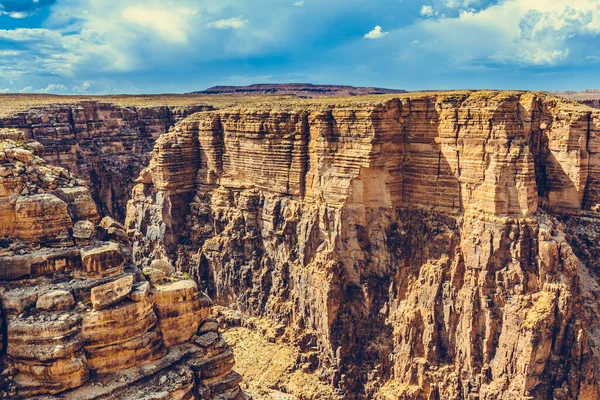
(104, 144)
(424, 246)
(78, 319)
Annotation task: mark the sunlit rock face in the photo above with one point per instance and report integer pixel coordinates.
(104, 144)
(429, 246)
(78, 319)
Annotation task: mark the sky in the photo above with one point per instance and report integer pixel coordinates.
(177, 46)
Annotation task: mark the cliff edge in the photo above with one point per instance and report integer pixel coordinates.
(418, 246)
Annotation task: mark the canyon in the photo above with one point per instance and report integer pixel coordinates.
(79, 320)
(399, 246)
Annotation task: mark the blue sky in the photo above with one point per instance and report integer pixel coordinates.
(153, 46)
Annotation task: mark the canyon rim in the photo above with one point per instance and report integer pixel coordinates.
(401, 246)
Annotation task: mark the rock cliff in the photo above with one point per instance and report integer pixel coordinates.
(78, 320)
(420, 246)
(105, 144)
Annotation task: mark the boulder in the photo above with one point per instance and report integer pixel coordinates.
(55, 300)
(154, 275)
(140, 291)
(107, 259)
(111, 293)
(210, 325)
(163, 265)
(84, 230)
(109, 222)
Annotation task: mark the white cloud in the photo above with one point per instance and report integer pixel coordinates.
(427, 11)
(229, 23)
(460, 4)
(171, 24)
(18, 14)
(83, 88)
(376, 33)
(53, 88)
(521, 32)
(299, 3)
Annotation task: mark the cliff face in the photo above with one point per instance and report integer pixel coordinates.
(104, 144)
(78, 319)
(426, 246)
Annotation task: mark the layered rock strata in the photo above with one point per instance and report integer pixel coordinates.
(104, 144)
(78, 319)
(415, 246)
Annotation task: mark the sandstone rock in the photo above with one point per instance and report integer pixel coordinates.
(112, 292)
(22, 155)
(122, 337)
(54, 347)
(70, 132)
(163, 265)
(154, 275)
(47, 355)
(206, 339)
(55, 300)
(84, 230)
(181, 308)
(118, 235)
(208, 326)
(17, 301)
(108, 222)
(39, 263)
(107, 259)
(41, 217)
(81, 204)
(140, 291)
(406, 233)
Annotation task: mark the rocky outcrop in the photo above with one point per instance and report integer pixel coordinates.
(78, 319)
(590, 97)
(104, 144)
(418, 246)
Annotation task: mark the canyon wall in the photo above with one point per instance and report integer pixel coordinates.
(424, 246)
(104, 144)
(78, 320)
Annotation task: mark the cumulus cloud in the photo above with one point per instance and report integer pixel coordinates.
(376, 33)
(54, 88)
(171, 24)
(229, 23)
(521, 32)
(460, 3)
(83, 88)
(427, 11)
(45, 51)
(299, 3)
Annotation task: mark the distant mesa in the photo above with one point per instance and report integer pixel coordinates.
(589, 97)
(298, 89)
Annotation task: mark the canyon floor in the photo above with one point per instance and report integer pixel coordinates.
(437, 245)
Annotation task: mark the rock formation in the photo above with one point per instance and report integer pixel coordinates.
(104, 144)
(421, 246)
(78, 319)
(590, 97)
